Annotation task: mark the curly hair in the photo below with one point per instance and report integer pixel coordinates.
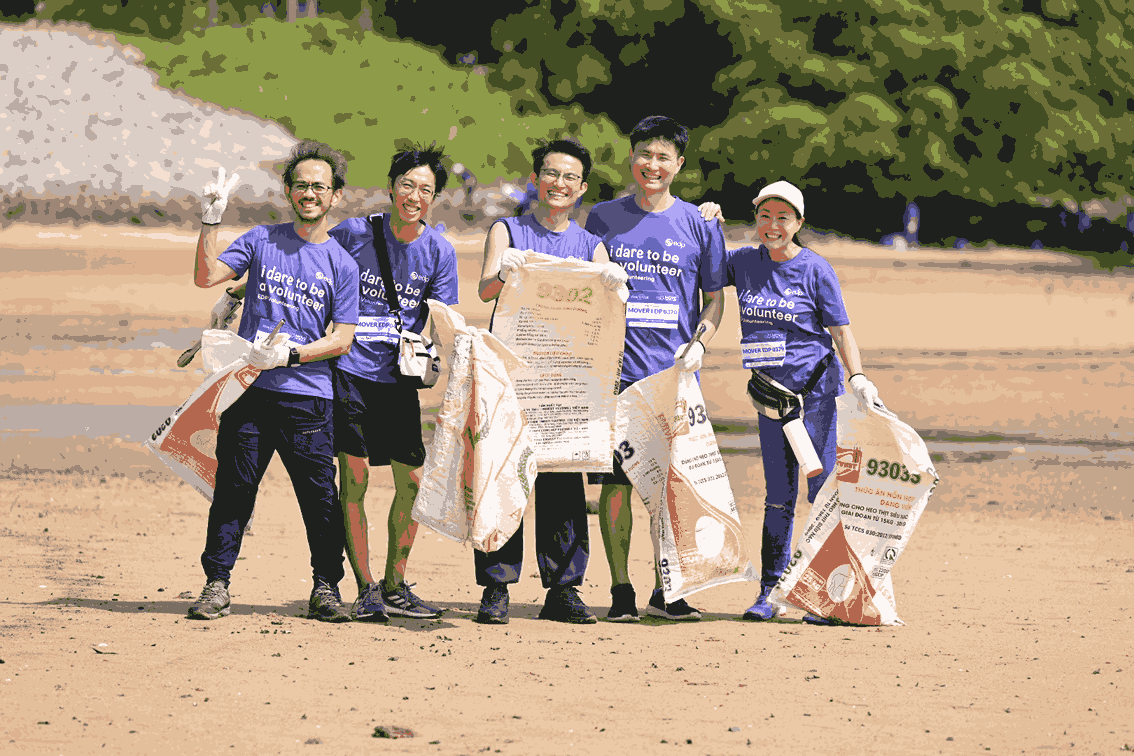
(308, 149)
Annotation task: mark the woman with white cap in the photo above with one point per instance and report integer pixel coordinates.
(792, 319)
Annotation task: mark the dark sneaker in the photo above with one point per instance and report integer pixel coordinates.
(368, 607)
(403, 602)
(763, 610)
(326, 605)
(814, 619)
(679, 610)
(493, 605)
(564, 604)
(622, 604)
(213, 602)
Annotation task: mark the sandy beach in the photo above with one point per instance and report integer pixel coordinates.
(1017, 588)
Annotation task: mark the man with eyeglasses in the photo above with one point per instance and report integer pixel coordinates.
(559, 170)
(301, 276)
(377, 418)
(671, 250)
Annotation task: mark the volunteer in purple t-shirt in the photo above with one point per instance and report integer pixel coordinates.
(377, 413)
(299, 275)
(791, 318)
(559, 171)
(675, 261)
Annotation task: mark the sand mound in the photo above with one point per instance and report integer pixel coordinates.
(83, 116)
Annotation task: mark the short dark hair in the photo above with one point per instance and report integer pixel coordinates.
(308, 149)
(565, 146)
(660, 127)
(432, 156)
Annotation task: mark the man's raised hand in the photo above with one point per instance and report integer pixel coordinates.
(214, 197)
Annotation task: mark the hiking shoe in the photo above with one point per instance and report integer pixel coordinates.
(326, 605)
(368, 607)
(679, 610)
(564, 604)
(213, 602)
(494, 605)
(622, 604)
(403, 602)
(763, 610)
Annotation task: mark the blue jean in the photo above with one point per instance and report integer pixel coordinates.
(256, 426)
(781, 480)
(562, 537)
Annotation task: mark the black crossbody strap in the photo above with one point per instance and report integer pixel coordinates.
(818, 374)
(377, 226)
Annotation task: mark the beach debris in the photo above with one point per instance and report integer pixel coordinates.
(313, 741)
(393, 731)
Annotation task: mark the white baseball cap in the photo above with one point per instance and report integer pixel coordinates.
(789, 193)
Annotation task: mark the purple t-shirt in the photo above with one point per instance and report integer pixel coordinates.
(424, 269)
(308, 286)
(526, 232)
(785, 309)
(670, 257)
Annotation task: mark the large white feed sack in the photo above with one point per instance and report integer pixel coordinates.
(480, 467)
(861, 521)
(187, 440)
(668, 450)
(570, 330)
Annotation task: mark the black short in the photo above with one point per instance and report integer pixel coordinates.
(381, 421)
(618, 477)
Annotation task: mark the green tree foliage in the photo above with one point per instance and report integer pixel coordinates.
(973, 99)
(159, 19)
(365, 95)
(875, 101)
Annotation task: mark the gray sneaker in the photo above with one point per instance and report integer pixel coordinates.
(368, 607)
(213, 602)
(326, 604)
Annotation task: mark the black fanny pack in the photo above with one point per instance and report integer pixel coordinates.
(778, 402)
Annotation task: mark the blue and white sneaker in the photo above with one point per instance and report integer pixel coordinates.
(763, 610)
(402, 602)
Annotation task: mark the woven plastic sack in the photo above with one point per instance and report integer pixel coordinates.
(480, 467)
(861, 521)
(668, 450)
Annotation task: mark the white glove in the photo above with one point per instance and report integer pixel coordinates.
(692, 360)
(613, 276)
(710, 210)
(214, 197)
(224, 311)
(512, 260)
(865, 391)
(267, 356)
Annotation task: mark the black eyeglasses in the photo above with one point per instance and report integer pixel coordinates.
(553, 175)
(301, 187)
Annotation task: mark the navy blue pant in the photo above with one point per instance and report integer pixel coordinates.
(256, 426)
(781, 480)
(562, 536)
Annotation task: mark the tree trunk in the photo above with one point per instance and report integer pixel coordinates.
(312, 8)
(211, 20)
(292, 10)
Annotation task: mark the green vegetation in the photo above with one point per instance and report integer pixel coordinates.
(1011, 119)
(364, 95)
